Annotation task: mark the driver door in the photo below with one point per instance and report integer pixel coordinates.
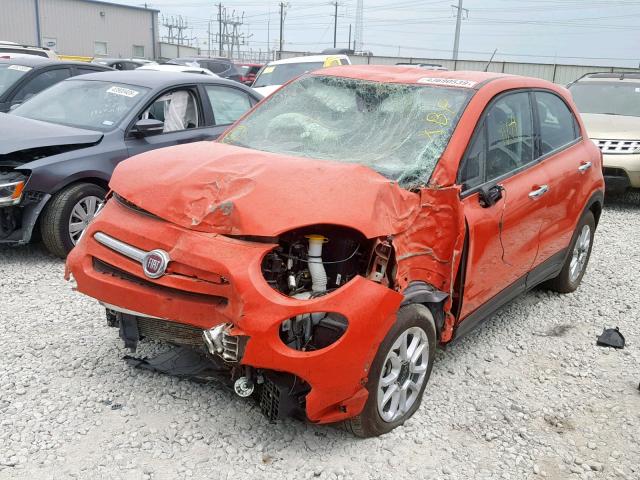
(184, 119)
(504, 237)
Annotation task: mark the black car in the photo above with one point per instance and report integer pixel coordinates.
(120, 63)
(223, 67)
(58, 149)
(23, 77)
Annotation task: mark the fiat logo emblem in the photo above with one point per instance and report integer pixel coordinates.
(154, 263)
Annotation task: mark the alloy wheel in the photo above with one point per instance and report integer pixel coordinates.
(81, 214)
(580, 253)
(403, 374)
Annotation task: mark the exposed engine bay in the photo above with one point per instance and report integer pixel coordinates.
(308, 265)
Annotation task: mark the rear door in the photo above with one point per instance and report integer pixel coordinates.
(184, 116)
(504, 237)
(566, 163)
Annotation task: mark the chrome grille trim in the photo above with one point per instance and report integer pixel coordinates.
(617, 146)
(122, 248)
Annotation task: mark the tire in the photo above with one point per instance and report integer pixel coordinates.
(57, 215)
(569, 279)
(370, 423)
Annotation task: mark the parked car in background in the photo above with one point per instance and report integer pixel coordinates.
(610, 108)
(122, 63)
(320, 250)
(223, 67)
(58, 149)
(155, 67)
(277, 73)
(248, 72)
(12, 47)
(24, 76)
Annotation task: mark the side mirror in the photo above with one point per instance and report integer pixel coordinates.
(14, 106)
(489, 196)
(147, 127)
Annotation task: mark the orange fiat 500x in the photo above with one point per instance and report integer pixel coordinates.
(318, 253)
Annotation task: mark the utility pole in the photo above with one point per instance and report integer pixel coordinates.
(358, 37)
(335, 24)
(281, 30)
(220, 29)
(460, 12)
(349, 44)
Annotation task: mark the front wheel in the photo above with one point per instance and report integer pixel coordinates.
(575, 265)
(67, 215)
(399, 373)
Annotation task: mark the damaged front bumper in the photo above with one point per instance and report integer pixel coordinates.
(18, 222)
(213, 285)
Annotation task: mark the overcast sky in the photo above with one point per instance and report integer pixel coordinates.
(591, 32)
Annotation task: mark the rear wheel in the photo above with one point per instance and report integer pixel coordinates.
(399, 373)
(67, 215)
(575, 265)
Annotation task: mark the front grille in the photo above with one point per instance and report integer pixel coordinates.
(170, 332)
(618, 146)
(105, 268)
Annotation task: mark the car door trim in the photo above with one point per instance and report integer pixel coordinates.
(545, 271)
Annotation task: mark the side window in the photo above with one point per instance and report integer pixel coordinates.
(502, 143)
(228, 104)
(472, 173)
(40, 82)
(178, 110)
(510, 137)
(557, 124)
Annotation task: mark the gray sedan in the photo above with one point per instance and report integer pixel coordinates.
(58, 150)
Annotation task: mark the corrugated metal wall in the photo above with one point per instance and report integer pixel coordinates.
(561, 74)
(18, 22)
(76, 25)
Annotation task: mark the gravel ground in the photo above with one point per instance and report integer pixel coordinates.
(528, 394)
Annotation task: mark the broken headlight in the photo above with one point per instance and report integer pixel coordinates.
(11, 188)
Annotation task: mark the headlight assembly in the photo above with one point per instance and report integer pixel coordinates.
(11, 191)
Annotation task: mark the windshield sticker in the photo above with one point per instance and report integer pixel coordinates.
(637, 90)
(19, 68)
(269, 69)
(125, 92)
(108, 123)
(448, 82)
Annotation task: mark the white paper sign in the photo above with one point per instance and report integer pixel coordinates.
(448, 82)
(125, 92)
(19, 68)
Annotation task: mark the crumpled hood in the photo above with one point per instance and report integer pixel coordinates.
(218, 188)
(19, 133)
(611, 127)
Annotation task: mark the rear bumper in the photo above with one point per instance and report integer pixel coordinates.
(213, 279)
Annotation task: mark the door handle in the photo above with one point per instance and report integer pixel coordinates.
(584, 167)
(541, 190)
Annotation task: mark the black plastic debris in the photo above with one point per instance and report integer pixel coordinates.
(611, 337)
(178, 361)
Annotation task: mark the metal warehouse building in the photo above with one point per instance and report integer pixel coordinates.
(81, 27)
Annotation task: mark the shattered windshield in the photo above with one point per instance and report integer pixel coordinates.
(399, 130)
